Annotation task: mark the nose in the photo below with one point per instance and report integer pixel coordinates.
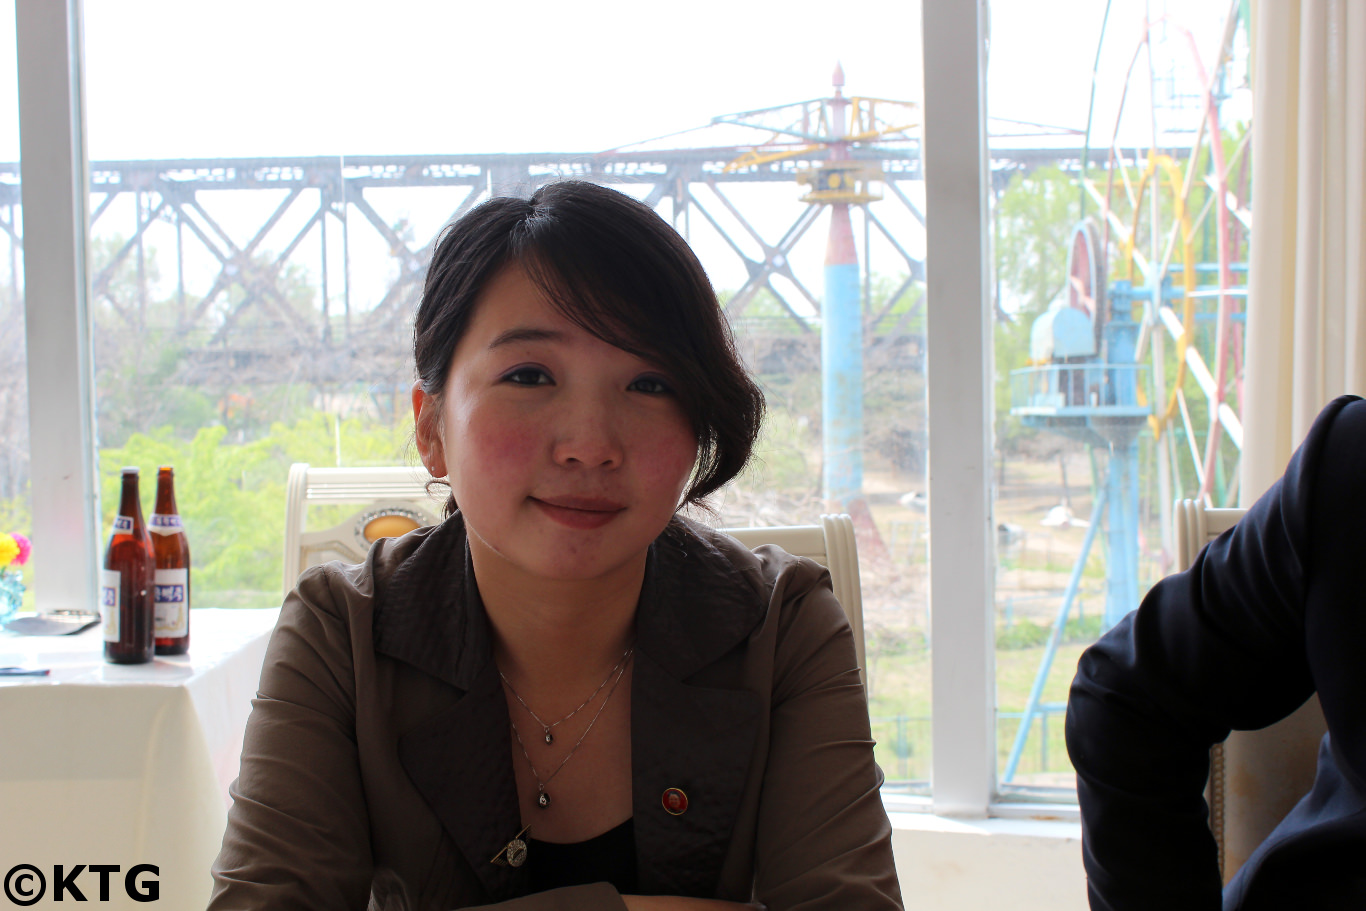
(589, 435)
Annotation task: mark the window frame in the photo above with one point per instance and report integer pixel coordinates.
(959, 367)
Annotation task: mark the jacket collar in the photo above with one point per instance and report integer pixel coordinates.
(696, 606)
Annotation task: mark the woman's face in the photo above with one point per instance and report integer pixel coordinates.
(567, 455)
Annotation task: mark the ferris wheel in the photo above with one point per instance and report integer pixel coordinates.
(1149, 333)
(1171, 233)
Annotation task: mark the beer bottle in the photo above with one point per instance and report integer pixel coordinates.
(171, 550)
(126, 584)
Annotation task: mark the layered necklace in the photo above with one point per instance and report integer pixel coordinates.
(610, 681)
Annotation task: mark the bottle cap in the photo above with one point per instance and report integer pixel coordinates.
(130, 470)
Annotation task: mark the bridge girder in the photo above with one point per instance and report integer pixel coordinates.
(331, 189)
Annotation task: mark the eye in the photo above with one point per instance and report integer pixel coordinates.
(528, 376)
(651, 385)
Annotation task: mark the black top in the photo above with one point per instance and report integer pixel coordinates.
(1270, 612)
(609, 857)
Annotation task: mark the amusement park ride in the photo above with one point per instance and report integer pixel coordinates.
(839, 127)
(1111, 359)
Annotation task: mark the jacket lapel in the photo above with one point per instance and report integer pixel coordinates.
(461, 763)
(459, 759)
(698, 739)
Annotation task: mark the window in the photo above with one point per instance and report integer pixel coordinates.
(15, 504)
(187, 274)
(1100, 422)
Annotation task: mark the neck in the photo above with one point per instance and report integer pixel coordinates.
(557, 630)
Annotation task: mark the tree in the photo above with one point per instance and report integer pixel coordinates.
(1034, 220)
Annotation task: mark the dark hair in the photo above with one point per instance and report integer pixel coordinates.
(613, 267)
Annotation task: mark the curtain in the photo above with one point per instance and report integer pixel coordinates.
(1306, 332)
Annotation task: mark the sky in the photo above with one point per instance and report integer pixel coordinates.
(201, 79)
(192, 78)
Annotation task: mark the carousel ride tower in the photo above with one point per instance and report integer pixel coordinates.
(844, 129)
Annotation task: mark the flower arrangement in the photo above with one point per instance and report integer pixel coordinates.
(14, 552)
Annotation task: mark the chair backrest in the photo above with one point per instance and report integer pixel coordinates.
(831, 544)
(389, 501)
(1255, 776)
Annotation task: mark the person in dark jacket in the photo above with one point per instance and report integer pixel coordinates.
(1270, 612)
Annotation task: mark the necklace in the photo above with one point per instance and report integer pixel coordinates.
(547, 727)
(543, 796)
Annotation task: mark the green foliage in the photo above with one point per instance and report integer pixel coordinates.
(1025, 633)
(764, 308)
(1034, 221)
(1011, 353)
(231, 495)
(905, 314)
(781, 456)
(145, 348)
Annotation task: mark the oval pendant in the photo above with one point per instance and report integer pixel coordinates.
(543, 800)
(549, 737)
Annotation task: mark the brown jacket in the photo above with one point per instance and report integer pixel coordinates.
(377, 764)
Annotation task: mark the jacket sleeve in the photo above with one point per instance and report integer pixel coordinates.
(1217, 647)
(298, 831)
(823, 838)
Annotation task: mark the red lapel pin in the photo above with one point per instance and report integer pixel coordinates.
(675, 801)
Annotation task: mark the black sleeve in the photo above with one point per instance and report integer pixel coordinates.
(1218, 647)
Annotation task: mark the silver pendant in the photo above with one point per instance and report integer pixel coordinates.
(543, 800)
(549, 737)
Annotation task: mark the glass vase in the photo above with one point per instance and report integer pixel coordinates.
(11, 593)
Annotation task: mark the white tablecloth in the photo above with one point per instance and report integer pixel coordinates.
(125, 764)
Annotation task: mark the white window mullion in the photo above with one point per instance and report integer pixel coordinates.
(65, 489)
(960, 403)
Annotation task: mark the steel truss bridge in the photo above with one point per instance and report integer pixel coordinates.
(245, 329)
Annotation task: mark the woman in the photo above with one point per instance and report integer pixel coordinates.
(565, 695)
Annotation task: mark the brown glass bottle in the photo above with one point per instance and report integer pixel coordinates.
(126, 584)
(171, 551)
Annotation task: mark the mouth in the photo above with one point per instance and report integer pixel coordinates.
(579, 512)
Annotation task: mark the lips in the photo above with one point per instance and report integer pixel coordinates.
(586, 504)
(583, 513)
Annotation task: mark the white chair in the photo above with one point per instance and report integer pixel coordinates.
(392, 501)
(1255, 776)
(831, 544)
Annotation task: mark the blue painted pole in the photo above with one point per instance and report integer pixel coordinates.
(1054, 639)
(1121, 538)
(842, 366)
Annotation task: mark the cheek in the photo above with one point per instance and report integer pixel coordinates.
(492, 452)
(668, 457)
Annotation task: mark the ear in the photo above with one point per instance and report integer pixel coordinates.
(427, 431)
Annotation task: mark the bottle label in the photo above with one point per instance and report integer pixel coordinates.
(123, 525)
(111, 580)
(172, 598)
(165, 525)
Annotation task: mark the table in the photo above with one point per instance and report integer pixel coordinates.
(104, 764)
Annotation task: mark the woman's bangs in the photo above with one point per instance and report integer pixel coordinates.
(593, 296)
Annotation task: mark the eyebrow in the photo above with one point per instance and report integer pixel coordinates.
(525, 334)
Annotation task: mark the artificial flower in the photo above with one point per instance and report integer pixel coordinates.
(9, 549)
(25, 548)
